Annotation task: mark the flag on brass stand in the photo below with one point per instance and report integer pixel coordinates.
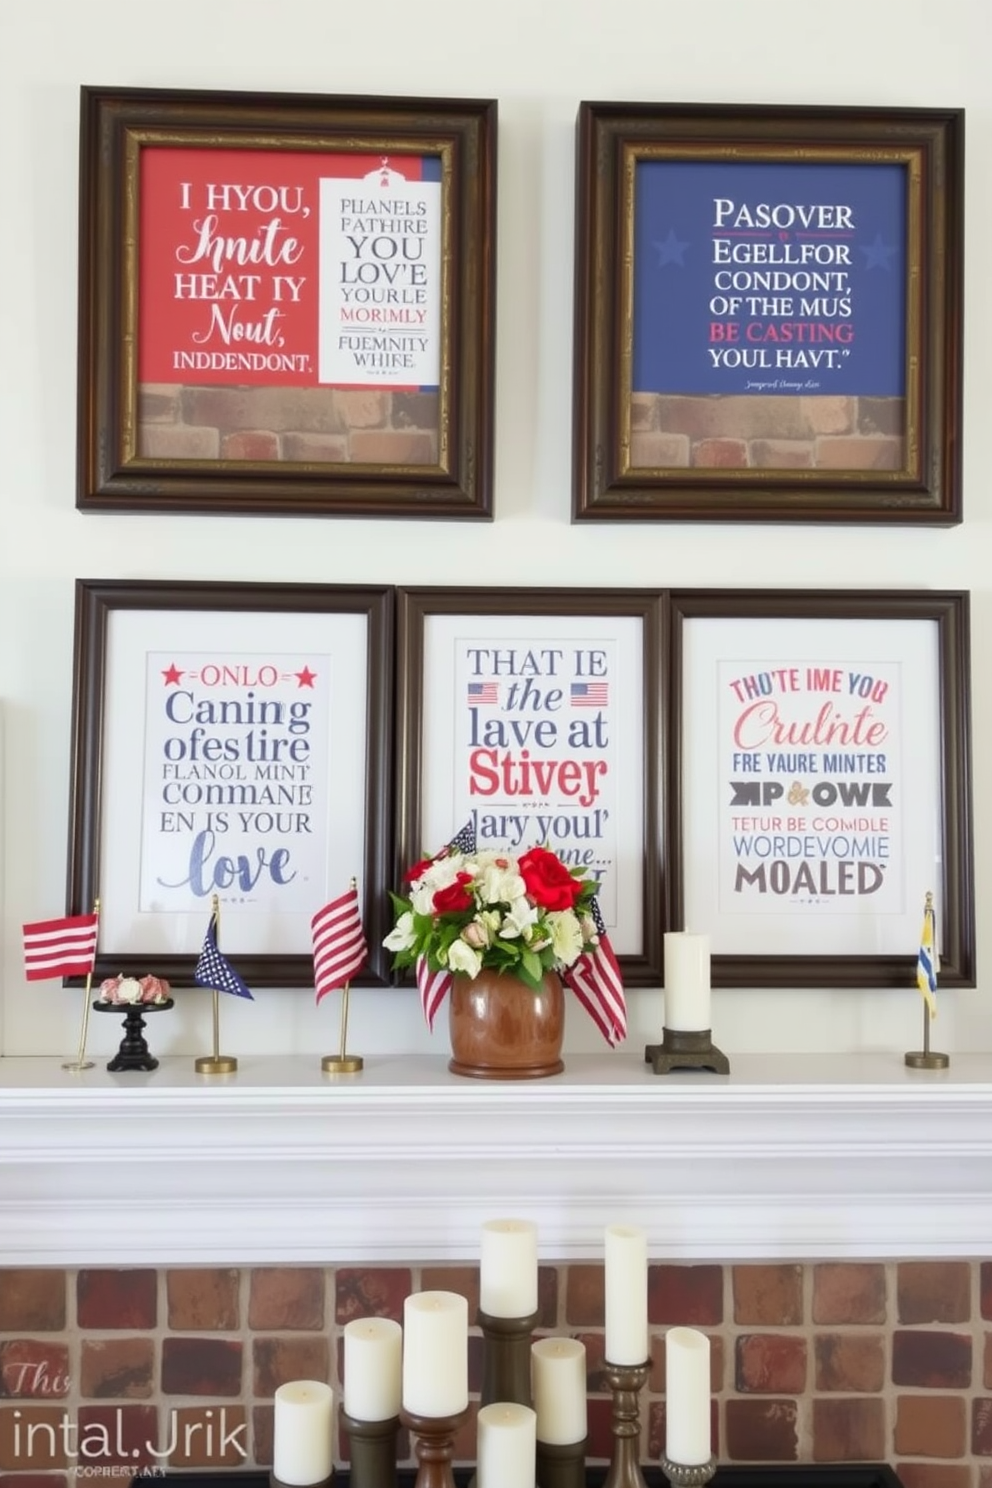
(926, 961)
(434, 986)
(339, 947)
(596, 981)
(60, 948)
(213, 968)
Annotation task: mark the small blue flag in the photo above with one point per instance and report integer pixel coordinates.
(214, 970)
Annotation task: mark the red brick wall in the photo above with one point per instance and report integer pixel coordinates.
(830, 1362)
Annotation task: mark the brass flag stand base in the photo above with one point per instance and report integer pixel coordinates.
(343, 1064)
(681, 1050)
(927, 1058)
(216, 1063)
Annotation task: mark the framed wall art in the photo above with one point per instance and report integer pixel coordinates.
(768, 314)
(229, 739)
(822, 784)
(536, 716)
(286, 304)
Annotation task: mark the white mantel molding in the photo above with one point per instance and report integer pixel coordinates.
(788, 1157)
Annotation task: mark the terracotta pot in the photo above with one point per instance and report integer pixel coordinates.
(501, 1029)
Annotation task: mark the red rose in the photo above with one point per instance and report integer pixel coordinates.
(412, 874)
(548, 881)
(455, 897)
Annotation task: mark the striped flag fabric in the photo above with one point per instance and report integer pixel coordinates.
(214, 970)
(596, 981)
(433, 987)
(926, 960)
(60, 948)
(339, 947)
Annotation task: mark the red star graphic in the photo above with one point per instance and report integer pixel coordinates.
(305, 678)
(173, 676)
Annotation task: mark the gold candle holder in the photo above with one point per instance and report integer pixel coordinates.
(561, 1466)
(626, 1381)
(373, 1451)
(435, 1446)
(680, 1049)
(688, 1474)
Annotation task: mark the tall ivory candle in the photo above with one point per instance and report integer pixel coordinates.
(372, 1368)
(508, 1269)
(626, 1295)
(558, 1387)
(302, 1432)
(687, 981)
(687, 1394)
(435, 1354)
(507, 1449)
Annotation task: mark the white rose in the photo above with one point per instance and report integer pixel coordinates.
(461, 957)
(566, 935)
(402, 936)
(129, 990)
(518, 919)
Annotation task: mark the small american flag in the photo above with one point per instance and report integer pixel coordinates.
(433, 987)
(596, 981)
(463, 841)
(60, 948)
(484, 693)
(589, 694)
(339, 947)
(214, 970)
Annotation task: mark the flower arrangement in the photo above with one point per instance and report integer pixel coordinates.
(130, 990)
(466, 911)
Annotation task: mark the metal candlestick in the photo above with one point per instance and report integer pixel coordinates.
(683, 1050)
(626, 1381)
(561, 1466)
(506, 1358)
(688, 1474)
(435, 1447)
(373, 1451)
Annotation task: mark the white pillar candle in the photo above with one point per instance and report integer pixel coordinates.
(558, 1387)
(687, 1396)
(508, 1270)
(372, 1368)
(435, 1354)
(687, 981)
(626, 1295)
(302, 1433)
(507, 1448)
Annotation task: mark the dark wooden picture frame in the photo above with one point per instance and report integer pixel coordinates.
(559, 617)
(782, 821)
(226, 361)
(132, 809)
(797, 393)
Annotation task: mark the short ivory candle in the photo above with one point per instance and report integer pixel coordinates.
(687, 981)
(507, 1449)
(558, 1387)
(626, 1295)
(435, 1354)
(302, 1431)
(687, 1396)
(508, 1268)
(372, 1369)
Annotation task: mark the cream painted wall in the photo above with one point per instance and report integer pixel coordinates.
(539, 61)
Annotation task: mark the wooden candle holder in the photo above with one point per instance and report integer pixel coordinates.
(373, 1451)
(626, 1381)
(435, 1447)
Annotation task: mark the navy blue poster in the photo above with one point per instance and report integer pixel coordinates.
(769, 278)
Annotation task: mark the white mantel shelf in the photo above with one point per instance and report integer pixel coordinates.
(787, 1157)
